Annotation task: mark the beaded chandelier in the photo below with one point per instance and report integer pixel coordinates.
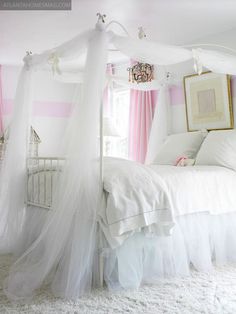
(141, 73)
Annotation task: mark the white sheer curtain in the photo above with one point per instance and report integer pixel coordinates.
(1, 103)
(161, 125)
(13, 167)
(67, 241)
(216, 61)
(152, 52)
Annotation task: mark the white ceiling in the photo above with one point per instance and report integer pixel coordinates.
(169, 21)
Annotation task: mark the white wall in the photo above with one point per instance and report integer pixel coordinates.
(178, 118)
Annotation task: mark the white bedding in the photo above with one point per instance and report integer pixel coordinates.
(140, 196)
(200, 188)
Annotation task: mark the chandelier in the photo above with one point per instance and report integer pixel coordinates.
(141, 73)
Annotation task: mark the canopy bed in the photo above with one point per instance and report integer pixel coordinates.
(100, 215)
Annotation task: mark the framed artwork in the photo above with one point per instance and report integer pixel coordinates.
(208, 101)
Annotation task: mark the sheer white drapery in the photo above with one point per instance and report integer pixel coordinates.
(68, 50)
(161, 124)
(66, 245)
(216, 61)
(162, 54)
(13, 167)
(151, 52)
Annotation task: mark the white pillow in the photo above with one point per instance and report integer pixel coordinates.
(178, 145)
(219, 149)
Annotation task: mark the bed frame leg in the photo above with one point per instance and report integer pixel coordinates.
(100, 257)
(101, 272)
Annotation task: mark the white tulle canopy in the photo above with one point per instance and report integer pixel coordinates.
(65, 247)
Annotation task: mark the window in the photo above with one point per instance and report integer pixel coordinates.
(117, 146)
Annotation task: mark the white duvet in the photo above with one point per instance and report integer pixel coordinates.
(153, 196)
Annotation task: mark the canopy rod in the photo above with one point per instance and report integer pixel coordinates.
(121, 26)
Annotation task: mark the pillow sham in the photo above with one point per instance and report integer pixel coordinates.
(182, 144)
(218, 149)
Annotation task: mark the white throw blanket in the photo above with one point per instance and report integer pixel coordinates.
(151, 197)
(137, 197)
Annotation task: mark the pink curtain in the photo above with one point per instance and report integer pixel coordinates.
(142, 108)
(1, 103)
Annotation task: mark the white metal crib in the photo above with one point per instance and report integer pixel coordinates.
(41, 175)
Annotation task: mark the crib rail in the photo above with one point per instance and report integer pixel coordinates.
(42, 173)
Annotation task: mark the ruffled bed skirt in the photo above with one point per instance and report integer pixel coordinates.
(198, 240)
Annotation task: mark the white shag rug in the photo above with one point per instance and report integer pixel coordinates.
(213, 293)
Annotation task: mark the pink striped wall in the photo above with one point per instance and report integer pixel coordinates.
(177, 93)
(59, 109)
(55, 109)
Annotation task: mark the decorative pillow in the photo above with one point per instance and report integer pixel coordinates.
(219, 149)
(177, 145)
(183, 161)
